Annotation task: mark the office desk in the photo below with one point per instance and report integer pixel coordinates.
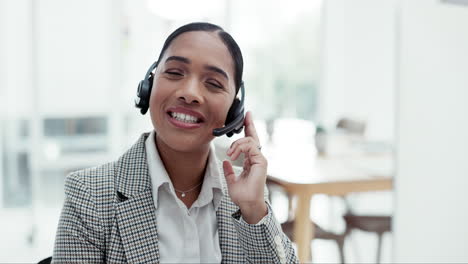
(332, 176)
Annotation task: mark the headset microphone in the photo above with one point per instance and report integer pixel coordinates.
(234, 120)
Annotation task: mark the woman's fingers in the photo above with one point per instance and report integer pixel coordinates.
(248, 147)
(246, 166)
(238, 149)
(250, 130)
(251, 153)
(229, 172)
(239, 142)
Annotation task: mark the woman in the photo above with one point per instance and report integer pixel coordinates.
(167, 199)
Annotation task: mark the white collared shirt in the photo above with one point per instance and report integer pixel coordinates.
(185, 235)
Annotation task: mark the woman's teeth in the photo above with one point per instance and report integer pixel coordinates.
(184, 117)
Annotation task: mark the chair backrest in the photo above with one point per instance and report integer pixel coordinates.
(274, 186)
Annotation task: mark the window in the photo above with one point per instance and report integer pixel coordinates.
(56, 127)
(75, 135)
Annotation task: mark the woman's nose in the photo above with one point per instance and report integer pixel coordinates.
(191, 92)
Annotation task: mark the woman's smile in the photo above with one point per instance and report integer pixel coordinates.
(185, 118)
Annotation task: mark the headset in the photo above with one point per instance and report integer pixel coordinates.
(234, 120)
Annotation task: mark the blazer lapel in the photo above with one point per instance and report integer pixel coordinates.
(228, 242)
(136, 218)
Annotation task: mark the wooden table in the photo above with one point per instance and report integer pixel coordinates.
(332, 176)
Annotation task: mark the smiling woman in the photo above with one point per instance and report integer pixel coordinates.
(168, 198)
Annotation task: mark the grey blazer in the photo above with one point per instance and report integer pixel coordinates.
(109, 217)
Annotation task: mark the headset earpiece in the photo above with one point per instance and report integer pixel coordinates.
(237, 109)
(234, 111)
(144, 90)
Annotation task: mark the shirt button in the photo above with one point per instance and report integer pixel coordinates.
(282, 260)
(278, 240)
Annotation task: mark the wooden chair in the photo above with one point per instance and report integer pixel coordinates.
(378, 224)
(369, 223)
(319, 233)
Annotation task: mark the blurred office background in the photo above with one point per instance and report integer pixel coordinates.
(324, 78)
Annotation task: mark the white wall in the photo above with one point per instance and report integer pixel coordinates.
(359, 64)
(76, 53)
(2, 89)
(423, 52)
(15, 54)
(431, 218)
(76, 49)
(15, 75)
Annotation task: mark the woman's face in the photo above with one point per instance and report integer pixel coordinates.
(193, 90)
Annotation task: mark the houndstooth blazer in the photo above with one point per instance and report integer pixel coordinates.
(109, 217)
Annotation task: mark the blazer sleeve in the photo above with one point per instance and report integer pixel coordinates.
(264, 242)
(80, 236)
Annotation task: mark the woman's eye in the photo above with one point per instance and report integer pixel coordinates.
(174, 73)
(216, 85)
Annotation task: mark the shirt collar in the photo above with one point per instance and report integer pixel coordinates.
(157, 172)
(212, 189)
